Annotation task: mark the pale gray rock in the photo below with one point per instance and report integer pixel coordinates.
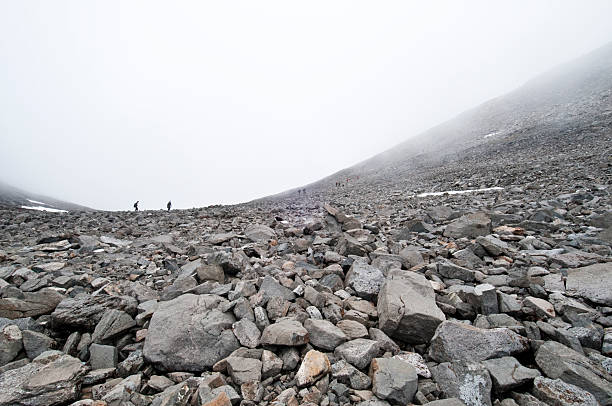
(259, 232)
(469, 382)
(359, 352)
(32, 304)
(393, 380)
(407, 308)
(243, 370)
(53, 378)
(364, 279)
(559, 393)
(11, 342)
(469, 225)
(190, 333)
(247, 333)
(324, 334)
(285, 332)
(458, 341)
(560, 362)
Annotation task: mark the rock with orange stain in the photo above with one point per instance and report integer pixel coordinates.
(314, 366)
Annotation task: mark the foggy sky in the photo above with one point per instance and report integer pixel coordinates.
(103, 103)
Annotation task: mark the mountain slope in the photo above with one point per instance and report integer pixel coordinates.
(552, 108)
(11, 197)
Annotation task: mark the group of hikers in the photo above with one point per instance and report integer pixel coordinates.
(302, 192)
(168, 206)
(342, 184)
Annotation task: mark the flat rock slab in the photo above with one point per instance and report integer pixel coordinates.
(189, 333)
(458, 341)
(53, 378)
(470, 226)
(559, 393)
(31, 305)
(560, 362)
(593, 283)
(407, 308)
(85, 311)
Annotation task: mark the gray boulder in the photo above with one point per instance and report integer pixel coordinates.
(458, 341)
(469, 225)
(364, 279)
(112, 323)
(32, 304)
(359, 352)
(11, 342)
(393, 380)
(85, 311)
(469, 382)
(259, 232)
(407, 308)
(53, 378)
(190, 333)
(243, 370)
(507, 373)
(247, 333)
(285, 332)
(324, 334)
(560, 362)
(451, 271)
(559, 393)
(593, 282)
(35, 343)
(347, 374)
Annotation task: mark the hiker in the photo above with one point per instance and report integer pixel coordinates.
(169, 205)
(564, 278)
(136, 205)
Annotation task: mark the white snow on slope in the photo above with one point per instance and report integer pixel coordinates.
(492, 134)
(34, 201)
(459, 192)
(41, 208)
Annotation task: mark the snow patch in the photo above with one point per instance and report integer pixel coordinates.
(34, 201)
(492, 134)
(459, 192)
(41, 208)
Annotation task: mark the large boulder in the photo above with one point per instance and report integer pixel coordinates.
(190, 333)
(593, 282)
(470, 226)
(507, 373)
(559, 393)
(469, 382)
(359, 352)
(324, 334)
(285, 332)
(393, 380)
(11, 342)
(85, 311)
(364, 279)
(31, 305)
(53, 378)
(407, 308)
(560, 362)
(458, 341)
(259, 232)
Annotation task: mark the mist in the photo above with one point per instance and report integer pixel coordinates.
(105, 103)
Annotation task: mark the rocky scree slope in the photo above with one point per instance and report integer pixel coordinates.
(370, 294)
(367, 294)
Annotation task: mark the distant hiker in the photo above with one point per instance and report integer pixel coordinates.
(136, 205)
(304, 191)
(564, 278)
(299, 192)
(169, 205)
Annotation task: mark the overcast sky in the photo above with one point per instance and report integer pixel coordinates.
(103, 103)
